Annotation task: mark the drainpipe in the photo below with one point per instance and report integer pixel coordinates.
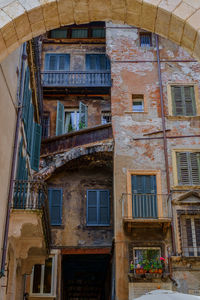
(14, 158)
(164, 133)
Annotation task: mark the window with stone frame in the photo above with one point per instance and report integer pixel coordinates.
(183, 100)
(188, 168)
(190, 235)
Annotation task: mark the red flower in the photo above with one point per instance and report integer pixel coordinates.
(162, 258)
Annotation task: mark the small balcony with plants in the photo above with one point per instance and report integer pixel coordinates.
(147, 265)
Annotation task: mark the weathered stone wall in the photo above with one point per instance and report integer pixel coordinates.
(75, 181)
(138, 136)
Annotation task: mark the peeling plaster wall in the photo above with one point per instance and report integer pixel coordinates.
(134, 71)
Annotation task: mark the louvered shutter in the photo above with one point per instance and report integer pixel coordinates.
(30, 127)
(197, 231)
(177, 99)
(55, 206)
(83, 113)
(92, 205)
(63, 62)
(195, 168)
(183, 168)
(35, 151)
(26, 98)
(19, 163)
(190, 107)
(189, 232)
(60, 119)
(103, 207)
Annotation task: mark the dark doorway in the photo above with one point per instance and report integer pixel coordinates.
(86, 277)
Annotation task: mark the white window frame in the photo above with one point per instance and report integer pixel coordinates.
(71, 110)
(53, 279)
(143, 248)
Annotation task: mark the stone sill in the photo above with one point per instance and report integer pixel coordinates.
(135, 112)
(182, 118)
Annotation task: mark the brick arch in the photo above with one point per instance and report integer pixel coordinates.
(176, 20)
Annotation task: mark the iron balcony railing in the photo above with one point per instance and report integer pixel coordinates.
(32, 195)
(145, 206)
(76, 78)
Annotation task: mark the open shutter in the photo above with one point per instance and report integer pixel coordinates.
(26, 98)
(183, 168)
(104, 211)
(197, 231)
(195, 167)
(92, 217)
(60, 119)
(19, 164)
(55, 206)
(30, 127)
(83, 113)
(35, 151)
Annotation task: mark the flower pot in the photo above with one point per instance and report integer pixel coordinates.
(140, 271)
(160, 271)
(152, 271)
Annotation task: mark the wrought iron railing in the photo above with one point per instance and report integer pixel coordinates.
(32, 195)
(144, 206)
(76, 78)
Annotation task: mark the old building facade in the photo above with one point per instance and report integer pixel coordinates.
(121, 161)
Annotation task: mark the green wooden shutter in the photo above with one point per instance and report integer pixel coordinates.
(35, 152)
(189, 232)
(92, 217)
(30, 127)
(55, 205)
(26, 99)
(60, 119)
(190, 106)
(177, 100)
(103, 208)
(195, 167)
(197, 231)
(19, 163)
(83, 114)
(183, 168)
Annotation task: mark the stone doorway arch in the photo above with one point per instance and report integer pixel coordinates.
(176, 20)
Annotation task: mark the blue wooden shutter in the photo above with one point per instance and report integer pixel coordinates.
(63, 62)
(144, 198)
(60, 119)
(30, 127)
(103, 207)
(26, 98)
(35, 151)
(55, 205)
(92, 218)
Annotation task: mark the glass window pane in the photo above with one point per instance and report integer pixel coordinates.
(47, 276)
(98, 32)
(59, 33)
(36, 278)
(79, 33)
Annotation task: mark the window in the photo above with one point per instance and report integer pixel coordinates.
(98, 207)
(106, 117)
(98, 32)
(190, 226)
(141, 254)
(188, 168)
(43, 278)
(138, 103)
(57, 62)
(55, 205)
(45, 126)
(60, 33)
(144, 196)
(183, 100)
(78, 33)
(97, 62)
(71, 119)
(145, 39)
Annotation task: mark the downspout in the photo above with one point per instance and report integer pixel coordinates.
(14, 157)
(164, 134)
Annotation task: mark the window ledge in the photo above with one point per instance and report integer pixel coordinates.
(135, 112)
(186, 118)
(42, 296)
(185, 187)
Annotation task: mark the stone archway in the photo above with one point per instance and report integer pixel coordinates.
(176, 20)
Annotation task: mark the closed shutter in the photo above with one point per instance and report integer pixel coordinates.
(188, 168)
(189, 232)
(55, 206)
(104, 211)
(183, 168)
(60, 119)
(35, 151)
(97, 62)
(98, 207)
(92, 205)
(197, 231)
(26, 99)
(30, 127)
(83, 113)
(144, 196)
(57, 62)
(183, 99)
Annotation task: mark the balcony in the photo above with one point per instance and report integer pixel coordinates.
(58, 144)
(145, 211)
(29, 220)
(70, 79)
